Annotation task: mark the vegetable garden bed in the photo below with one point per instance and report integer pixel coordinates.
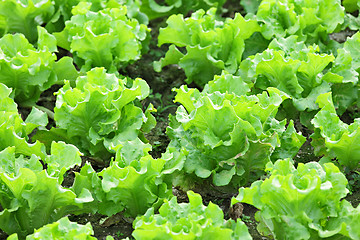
(136, 119)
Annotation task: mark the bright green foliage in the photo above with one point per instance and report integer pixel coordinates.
(311, 21)
(10, 164)
(211, 45)
(302, 203)
(14, 131)
(351, 5)
(31, 200)
(62, 158)
(334, 138)
(301, 72)
(31, 197)
(350, 21)
(228, 83)
(344, 74)
(353, 49)
(18, 16)
(131, 187)
(227, 136)
(99, 113)
(155, 10)
(62, 229)
(30, 71)
(134, 187)
(250, 6)
(143, 10)
(107, 38)
(64, 7)
(190, 220)
(87, 185)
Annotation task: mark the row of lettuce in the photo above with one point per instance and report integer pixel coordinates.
(258, 75)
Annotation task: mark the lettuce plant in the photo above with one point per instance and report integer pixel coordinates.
(19, 16)
(211, 45)
(135, 187)
(228, 137)
(351, 21)
(99, 113)
(62, 158)
(155, 10)
(31, 197)
(344, 74)
(127, 186)
(29, 70)
(302, 203)
(351, 46)
(64, 13)
(190, 220)
(333, 138)
(61, 229)
(106, 38)
(351, 5)
(303, 73)
(311, 21)
(14, 131)
(142, 10)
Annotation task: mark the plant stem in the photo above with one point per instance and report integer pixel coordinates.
(46, 110)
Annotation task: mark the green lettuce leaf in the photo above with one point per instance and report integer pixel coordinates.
(229, 137)
(352, 48)
(24, 16)
(31, 197)
(99, 113)
(62, 158)
(11, 165)
(250, 6)
(190, 220)
(228, 83)
(211, 45)
(30, 71)
(134, 187)
(302, 203)
(61, 229)
(14, 130)
(31, 200)
(346, 69)
(311, 21)
(351, 5)
(347, 223)
(155, 10)
(87, 185)
(340, 139)
(128, 187)
(64, 13)
(107, 38)
(303, 73)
